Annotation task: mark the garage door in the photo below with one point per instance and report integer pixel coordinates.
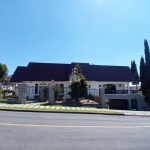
(118, 104)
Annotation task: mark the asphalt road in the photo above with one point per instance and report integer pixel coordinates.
(52, 131)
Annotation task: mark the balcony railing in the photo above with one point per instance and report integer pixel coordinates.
(97, 91)
(119, 91)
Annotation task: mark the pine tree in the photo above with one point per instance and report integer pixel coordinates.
(83, 82)
(134, 72)
(147, 62)
(79, 89)
(131, 66)
(143, 76)
(79, 70)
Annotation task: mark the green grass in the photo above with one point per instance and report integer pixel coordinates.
(61, 110)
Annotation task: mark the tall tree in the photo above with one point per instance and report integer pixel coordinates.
(79, 89)
(147, 62)
(135, 72)
(131, 66)
(83, 83)
(79, 70)
(143, 76)
(3, 71)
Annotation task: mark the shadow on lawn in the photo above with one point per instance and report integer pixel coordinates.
(73, 103)
(70, 103)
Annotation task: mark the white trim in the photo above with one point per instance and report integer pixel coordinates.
(23, 83)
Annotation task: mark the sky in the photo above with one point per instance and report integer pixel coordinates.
(100, 32)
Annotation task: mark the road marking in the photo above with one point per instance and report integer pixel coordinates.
(71, 126)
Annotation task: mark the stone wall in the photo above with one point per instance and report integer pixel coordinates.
(41, 93)
(22, 93)
(51, 94)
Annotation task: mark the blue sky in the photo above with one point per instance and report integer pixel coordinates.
(102, 32)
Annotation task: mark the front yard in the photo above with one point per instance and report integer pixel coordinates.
(56, 108)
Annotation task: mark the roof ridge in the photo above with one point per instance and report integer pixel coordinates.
(22, 66)
(47, 63)
(109, 65)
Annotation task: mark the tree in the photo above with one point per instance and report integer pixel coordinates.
(79, 89)
(134, 72)
(57, 90)
(147, 62)
(83, 82)
(143, 76)
(3, 71)
(147, 96)
(145, 72)
(79, 70)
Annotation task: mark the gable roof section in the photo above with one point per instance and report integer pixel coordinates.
(19, 74)
(110, 73)
(47, 72)
(106, 73)
(61, 72)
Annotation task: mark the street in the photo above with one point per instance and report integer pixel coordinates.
(58, 131)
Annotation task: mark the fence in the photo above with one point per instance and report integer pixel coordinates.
(119, 91)
(33, 92)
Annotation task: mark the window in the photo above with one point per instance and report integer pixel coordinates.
(36, 88)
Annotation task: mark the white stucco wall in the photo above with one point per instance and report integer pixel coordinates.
(94, 86)
(31, 87)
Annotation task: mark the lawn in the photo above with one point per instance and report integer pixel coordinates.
(45, 107)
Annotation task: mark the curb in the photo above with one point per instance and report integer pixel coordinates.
(138, 115)
(36, 111)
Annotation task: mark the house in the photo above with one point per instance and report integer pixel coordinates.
(115, 79)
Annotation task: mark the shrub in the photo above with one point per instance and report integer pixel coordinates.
(4, 92)
(90, 96)
(46, 92)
